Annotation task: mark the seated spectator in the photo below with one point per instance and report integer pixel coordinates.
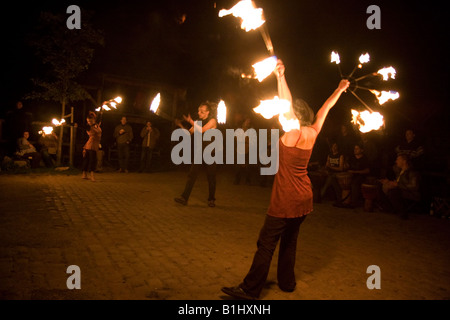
(404, 191)
(26, 150)
(358, 166)
(334, 164)
(48, 148)
(412, 148)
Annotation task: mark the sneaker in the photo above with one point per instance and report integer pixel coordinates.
(237, 292)
(181, 200)
(211, 203)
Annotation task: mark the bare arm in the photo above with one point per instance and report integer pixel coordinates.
(212, 124)
(283, 89)
(329, 103)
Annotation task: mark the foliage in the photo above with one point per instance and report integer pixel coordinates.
(66, 54)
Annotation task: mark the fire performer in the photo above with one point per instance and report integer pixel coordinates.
(92, 146)
(207, 115)
(292, 196)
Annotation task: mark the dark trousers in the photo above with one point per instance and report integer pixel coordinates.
(146, 159)
(356, 193)
(123, 150)
(192, 177)
(274, 229)
(398, 202)
(89, 161)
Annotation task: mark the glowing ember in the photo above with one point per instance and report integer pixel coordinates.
(387, 72)
(367, 121)
(252, 18)
(221, 112)
(118, 100)
(58, 123)
(384, 96)
(335, 57)
(155, 103)
(270, 108)
(264, 68)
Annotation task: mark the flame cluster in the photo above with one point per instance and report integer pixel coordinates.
(369, 120)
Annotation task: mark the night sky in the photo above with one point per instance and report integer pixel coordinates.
(186, 44)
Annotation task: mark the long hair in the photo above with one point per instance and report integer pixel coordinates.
(303, 112)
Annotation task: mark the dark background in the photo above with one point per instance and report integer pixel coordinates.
(186, 44)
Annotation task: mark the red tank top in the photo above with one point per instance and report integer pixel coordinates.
(292, 195)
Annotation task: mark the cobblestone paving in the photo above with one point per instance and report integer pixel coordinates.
(131, 241)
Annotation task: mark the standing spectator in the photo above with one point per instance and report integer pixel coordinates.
(150, 136)
(412, 148)
(123, 134)
(26, 150)
(92, 146)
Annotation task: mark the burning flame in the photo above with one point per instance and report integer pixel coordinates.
(335, 57)
(387, 72)
(270, 108)
(264, 68)
(58, 123)
(155, 103)
(221, 112)
(384, 96)
(364, 58)
(46, 130)
(110, 104)
(252, 17)
(290, 124)
(367, 121)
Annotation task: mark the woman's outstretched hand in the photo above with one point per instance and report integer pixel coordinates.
(279, 69)
(343, 85)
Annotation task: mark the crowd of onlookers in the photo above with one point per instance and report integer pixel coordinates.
(349, 168)
(358, 170)
(34, 149)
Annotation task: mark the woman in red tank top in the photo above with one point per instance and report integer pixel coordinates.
(292, 197)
